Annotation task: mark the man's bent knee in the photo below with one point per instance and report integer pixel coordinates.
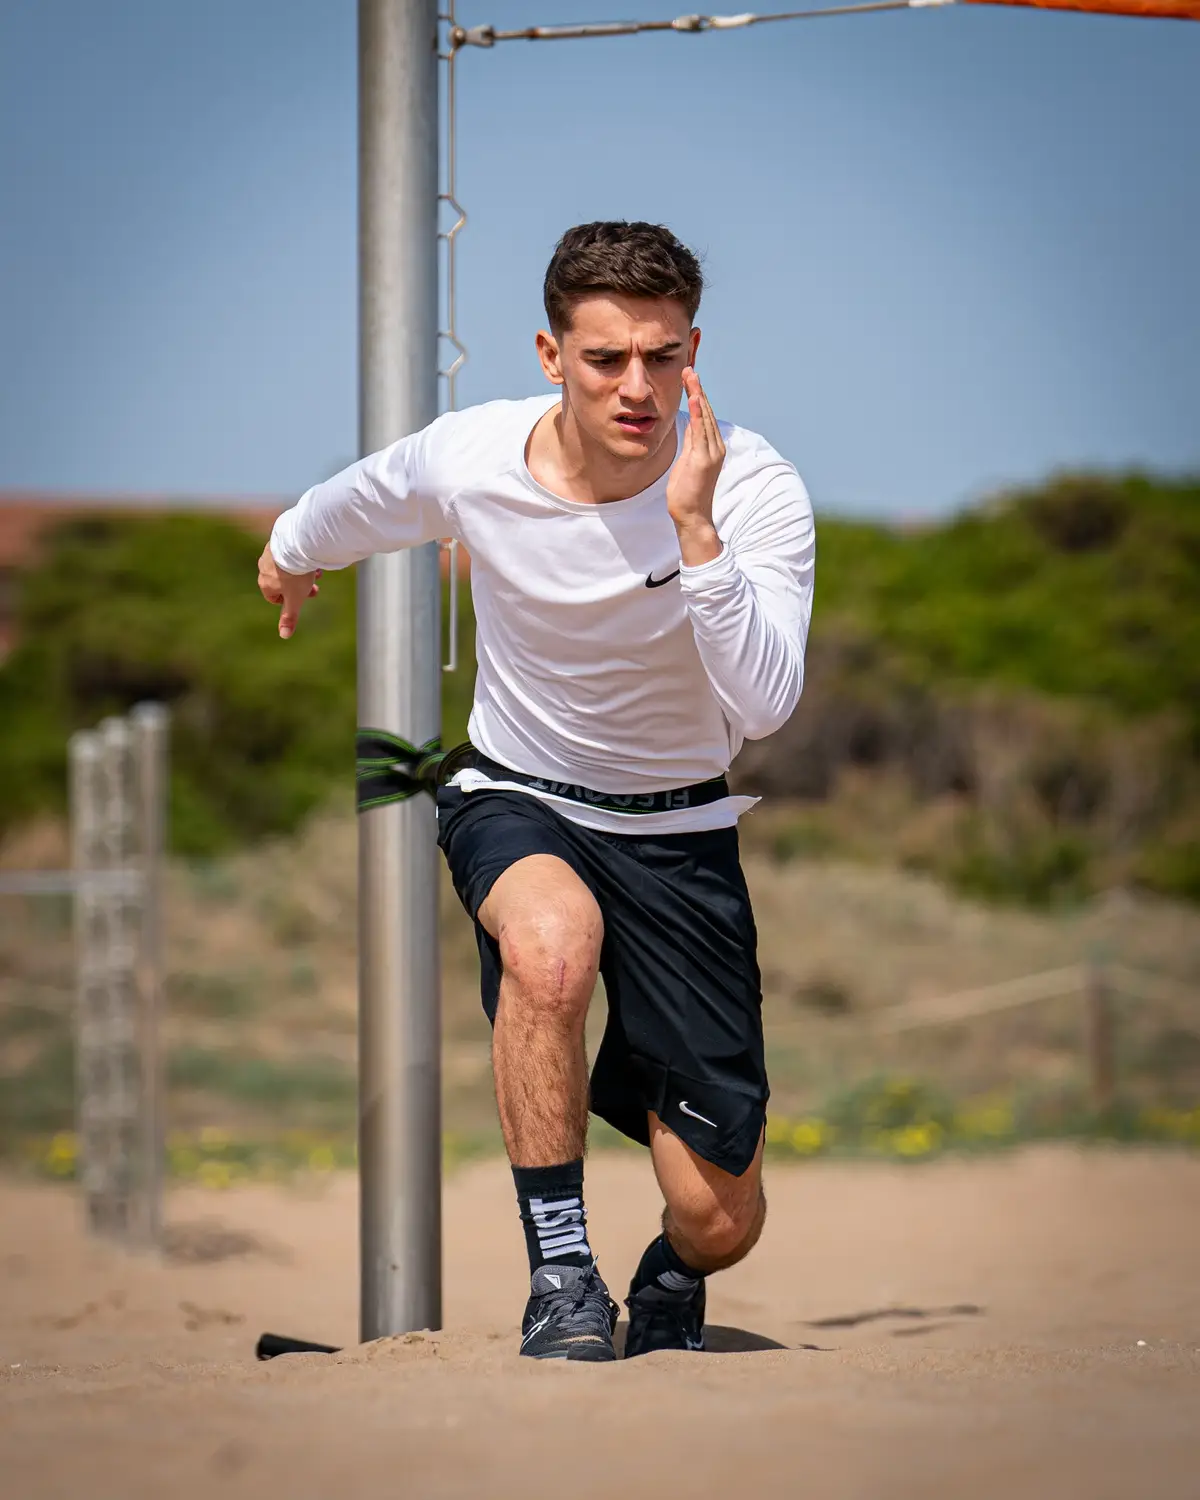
(718, 1235)
(549, 930)
(713, 1217)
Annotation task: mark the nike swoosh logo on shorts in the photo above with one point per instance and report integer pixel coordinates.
(657, 583)
(683, 1106)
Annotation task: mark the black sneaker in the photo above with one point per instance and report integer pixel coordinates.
(569, 1315)
(659, 1319)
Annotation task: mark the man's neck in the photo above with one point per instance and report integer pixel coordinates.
(566, 461)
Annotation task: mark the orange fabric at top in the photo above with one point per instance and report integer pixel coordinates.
(1181, 10)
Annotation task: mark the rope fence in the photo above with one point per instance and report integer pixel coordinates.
(1095, 981)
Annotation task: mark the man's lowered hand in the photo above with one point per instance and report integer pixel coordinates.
(289, 590)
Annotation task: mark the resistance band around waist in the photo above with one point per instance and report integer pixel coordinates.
(390, 769)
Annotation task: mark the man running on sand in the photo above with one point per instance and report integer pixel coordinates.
(642, 579)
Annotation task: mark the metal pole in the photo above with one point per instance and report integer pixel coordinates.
(398, 681)
(90, 981)
(122, 928)
(150, 728)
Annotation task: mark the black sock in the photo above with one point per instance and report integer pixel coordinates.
(661, 1266)
(552, 1212)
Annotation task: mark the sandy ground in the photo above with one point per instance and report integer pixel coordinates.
(1023, 1326)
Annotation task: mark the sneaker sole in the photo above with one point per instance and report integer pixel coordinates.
(598, 1357)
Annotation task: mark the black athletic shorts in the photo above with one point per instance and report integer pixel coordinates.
(684, 1033)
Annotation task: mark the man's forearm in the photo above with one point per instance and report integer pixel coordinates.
(752, 653)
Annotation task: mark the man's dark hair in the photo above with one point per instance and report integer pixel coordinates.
(641, 260)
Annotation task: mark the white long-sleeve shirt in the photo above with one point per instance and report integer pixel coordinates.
(602, 660)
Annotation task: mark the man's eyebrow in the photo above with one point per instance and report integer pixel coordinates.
(604, 352)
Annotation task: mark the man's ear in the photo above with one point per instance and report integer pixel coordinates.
(693, 345)
(550, 357)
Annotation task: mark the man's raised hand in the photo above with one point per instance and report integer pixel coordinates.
(693, 480)
(287, 589)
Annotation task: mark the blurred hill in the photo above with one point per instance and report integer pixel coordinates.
(1009, 700)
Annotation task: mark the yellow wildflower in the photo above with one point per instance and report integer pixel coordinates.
(62, 1154)
(986, 1118)
(808, 1136)
(778, 1130)
(918, 1140)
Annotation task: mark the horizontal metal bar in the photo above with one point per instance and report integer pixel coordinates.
(67, 882)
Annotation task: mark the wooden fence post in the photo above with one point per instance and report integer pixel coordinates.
(1099, 1037)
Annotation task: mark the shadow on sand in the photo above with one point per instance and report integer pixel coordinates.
(919, 1319)
(721, 1340)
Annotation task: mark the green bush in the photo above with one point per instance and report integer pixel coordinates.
(1172, 868)
(166, 607)
(39, 1093)
(1035, 870)
(1087, 586)
(315, 1082)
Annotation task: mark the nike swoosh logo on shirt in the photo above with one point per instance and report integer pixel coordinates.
(657, 583)
(683, 1107)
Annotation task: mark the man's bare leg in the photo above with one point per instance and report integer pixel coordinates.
(712, 1220)
(549, 929)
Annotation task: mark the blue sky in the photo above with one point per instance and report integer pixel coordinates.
(948, 249)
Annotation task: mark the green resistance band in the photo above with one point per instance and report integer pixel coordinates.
(389, 769)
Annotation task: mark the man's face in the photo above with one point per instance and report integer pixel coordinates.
(621, 364)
